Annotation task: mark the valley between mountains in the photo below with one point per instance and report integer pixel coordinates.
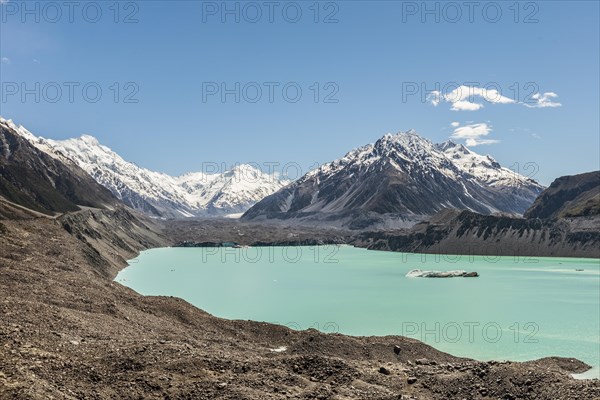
(401, 193)
(73, 212)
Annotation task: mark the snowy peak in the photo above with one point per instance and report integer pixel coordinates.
(90, 140)
(38, 142)
(405, 152)
(401, 174)
(401, 145)
(407, 143)
(409, 152)
(19, 129)
(450, 144)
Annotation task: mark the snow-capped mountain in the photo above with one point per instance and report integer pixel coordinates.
(159, 194)
(235, 190)
(403, 177)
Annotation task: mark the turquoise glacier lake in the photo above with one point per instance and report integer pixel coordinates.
(519, 308)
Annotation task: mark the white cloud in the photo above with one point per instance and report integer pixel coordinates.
(536, 136)
(5, 60)
(455, 124)
(468, 93)
(544, 100)
(471, 131)
(468, 98)
(434, 97)
(472, 134)
(464, 105)
(472, 98)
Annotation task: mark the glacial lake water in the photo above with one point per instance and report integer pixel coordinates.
(519, 308)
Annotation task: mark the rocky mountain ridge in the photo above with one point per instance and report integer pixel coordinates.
(569, 196)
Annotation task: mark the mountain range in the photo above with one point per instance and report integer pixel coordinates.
(401, 193)
(154, 193)
(399, 180)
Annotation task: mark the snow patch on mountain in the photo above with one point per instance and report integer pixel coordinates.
(484, 168)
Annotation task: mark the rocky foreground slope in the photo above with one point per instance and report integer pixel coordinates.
(69, 332)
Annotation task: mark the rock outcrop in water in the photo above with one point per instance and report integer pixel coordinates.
(418, 273)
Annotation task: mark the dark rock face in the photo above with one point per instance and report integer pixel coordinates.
(187, 243)
(402, 176)
(33, 179)
(569, 196)
(468, 233)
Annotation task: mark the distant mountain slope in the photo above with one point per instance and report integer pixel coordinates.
(33, 179)
(155, 193)
(569, 196)
(563, 222)
(401, 177)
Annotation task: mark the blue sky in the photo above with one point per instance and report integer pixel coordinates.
(366, 58)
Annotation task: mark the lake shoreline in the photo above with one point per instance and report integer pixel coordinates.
(200, 256)
(96, 336)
